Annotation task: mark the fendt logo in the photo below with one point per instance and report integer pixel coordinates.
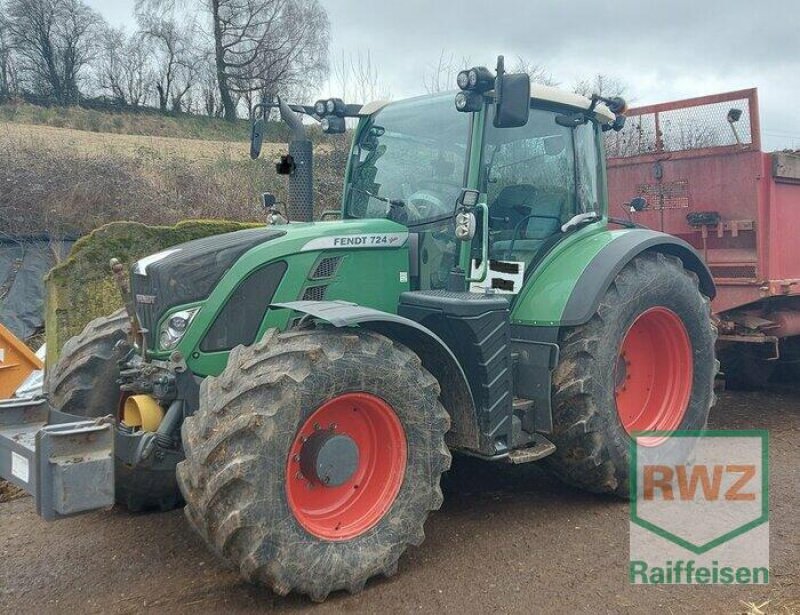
(699, 508)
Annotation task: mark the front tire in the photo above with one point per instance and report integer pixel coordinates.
(644, 362)
(315, 458)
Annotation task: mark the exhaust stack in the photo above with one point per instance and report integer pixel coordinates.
(300, 201)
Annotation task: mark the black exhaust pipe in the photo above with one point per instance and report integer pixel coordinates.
(300, 200)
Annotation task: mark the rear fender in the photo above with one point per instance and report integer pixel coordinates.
(603, 268)
(436, 357)
(565, 290)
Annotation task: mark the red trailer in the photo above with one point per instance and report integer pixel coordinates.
(698, 167)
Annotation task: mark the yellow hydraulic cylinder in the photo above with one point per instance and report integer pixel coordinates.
(142, 411)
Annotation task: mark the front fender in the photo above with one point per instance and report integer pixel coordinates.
(436, 357)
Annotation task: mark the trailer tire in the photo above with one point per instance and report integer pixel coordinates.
(248, 489)
(83, 382)
(603, 385)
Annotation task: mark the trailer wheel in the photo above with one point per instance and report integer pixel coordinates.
(315, 458)
(644, 362)
(84, 383)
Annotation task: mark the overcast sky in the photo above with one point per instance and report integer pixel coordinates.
(662, 49)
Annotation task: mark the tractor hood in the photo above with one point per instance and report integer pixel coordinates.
(210, 268)
(188, 272)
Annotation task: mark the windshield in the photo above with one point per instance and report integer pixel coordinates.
(412, 153)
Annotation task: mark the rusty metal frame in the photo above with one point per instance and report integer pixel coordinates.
(751, 95)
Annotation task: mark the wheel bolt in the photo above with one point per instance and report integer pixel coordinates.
(297, 458)
(317, 427)
(299, 476)
(333, 426)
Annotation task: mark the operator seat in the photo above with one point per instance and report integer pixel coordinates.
(522, 219)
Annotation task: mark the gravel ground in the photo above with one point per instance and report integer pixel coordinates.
(508, 539)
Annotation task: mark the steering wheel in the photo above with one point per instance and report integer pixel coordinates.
(422, 202)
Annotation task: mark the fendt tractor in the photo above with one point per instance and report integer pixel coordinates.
(301, 385)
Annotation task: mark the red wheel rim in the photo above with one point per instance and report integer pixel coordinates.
(349, 509)
(653, 375)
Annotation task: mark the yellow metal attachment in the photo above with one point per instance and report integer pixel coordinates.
(17, 361)
(142, 411)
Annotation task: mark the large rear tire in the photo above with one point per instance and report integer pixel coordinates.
(315, 458)
(84, 382)
(644, 362)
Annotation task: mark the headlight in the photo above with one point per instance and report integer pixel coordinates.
(174, 327)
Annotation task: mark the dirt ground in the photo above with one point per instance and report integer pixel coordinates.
(508, 539)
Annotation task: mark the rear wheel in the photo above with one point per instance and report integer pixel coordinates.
(644, 362)
(84, 382)
(315, 458)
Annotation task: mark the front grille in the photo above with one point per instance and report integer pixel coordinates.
(314, 293)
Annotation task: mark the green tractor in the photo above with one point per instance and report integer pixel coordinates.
(301, 386)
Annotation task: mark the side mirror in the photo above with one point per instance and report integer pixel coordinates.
(256, 138)
(638, 203)
(512, 98)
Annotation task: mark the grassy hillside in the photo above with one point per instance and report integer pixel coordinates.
(147, 122)
(65, 180)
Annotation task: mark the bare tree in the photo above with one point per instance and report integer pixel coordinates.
(176, 57)
(357, 78)
(441, 77)
(267, 46)
(537, 72)
(605, 85)
(8, 72)
(54, 40)
(122, 68)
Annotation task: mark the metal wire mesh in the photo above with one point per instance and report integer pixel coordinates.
(326, 268)
(315, 293)
(691, 127)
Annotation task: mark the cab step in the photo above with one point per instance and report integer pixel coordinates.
(542, 447)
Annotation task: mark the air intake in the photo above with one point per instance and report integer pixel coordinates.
(326, 268)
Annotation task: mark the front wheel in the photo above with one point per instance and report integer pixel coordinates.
(315, 458)
(644, 362)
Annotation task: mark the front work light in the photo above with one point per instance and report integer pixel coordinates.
(481, 79)
(333, 125)
(462, 80)
(467, 102)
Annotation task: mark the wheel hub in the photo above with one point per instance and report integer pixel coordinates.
(345, 466)
(329, 458)
(653, 374)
